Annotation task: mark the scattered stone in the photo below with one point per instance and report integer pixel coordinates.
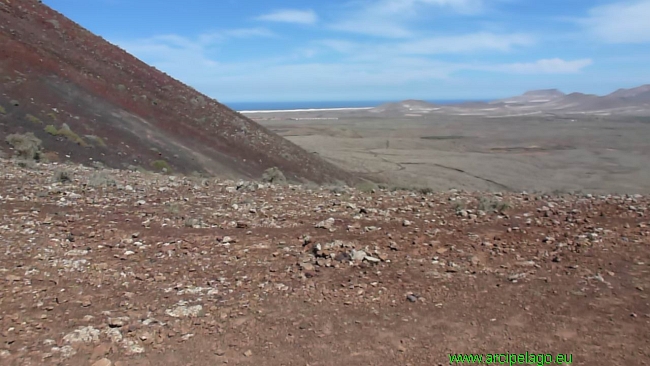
(184, 311)
(372, 259)
(358, 255)
(326, 224)
(412, 297)
(82, 335)
(117, 322)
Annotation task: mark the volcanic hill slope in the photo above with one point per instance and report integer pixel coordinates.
(120, 111)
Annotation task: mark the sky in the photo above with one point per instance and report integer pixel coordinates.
(338, 50)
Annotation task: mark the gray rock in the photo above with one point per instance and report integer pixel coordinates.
(326, 224)
(372, 259)
(358, 255)
(412, 297)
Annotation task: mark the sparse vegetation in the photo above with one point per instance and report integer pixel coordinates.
(161, 166)
(137, 168)
(492, 205)
(172, 208)
(97, 140)
(425, 190)
(27, 146)
(367, 186)
(101, 179)
(3, 110)
(337, 189)
(193, 223)
(49, 156)
(33, 119)
(51, 130)
(53, 116)
(274, 175)
(62, 176)
(71, 135)
(459, 206)
(66, 132)
(23, 163)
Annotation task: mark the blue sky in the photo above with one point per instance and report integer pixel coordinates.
(336, 50)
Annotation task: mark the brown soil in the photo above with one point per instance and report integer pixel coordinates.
(179, 271)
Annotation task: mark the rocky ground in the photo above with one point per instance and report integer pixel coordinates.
(107, 267)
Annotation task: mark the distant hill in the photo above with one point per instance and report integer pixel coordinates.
(634, 101)
(641, 91)
(533, 96)
(88, 100)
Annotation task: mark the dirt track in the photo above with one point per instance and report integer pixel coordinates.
(178, 271)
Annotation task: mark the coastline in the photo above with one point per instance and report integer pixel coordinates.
(304, 110)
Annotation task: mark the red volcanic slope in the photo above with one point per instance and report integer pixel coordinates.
(58, 72)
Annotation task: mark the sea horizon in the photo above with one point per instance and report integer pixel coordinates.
(281, 106)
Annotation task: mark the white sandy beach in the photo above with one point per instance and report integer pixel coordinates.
(306, 110)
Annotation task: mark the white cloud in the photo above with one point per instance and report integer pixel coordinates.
(545, 66)
(291, 16)
(410, 6)
(458, 44)
(621, 22)
(339, 45)
(390, 18)
(372, 27)
(249, 32)
(354, 73)
(169, 52)
(472, 42)
(220, 36)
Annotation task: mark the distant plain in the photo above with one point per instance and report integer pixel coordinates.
(543, 153)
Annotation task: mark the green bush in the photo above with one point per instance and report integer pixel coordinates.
(3, 110)
(274, 175)
(53, 116)
(51, 130)
(66, 132)
(367, 187)
(33, 119)
(27, 146)
(489, 205)
(96, 139)
(101, 179)
(62, 176)
(71, 135)
(161, 166)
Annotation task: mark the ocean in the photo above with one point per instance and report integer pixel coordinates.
(279, 106)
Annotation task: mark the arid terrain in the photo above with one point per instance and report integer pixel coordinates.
(561, 153)
(107, 267)
(143, 223)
